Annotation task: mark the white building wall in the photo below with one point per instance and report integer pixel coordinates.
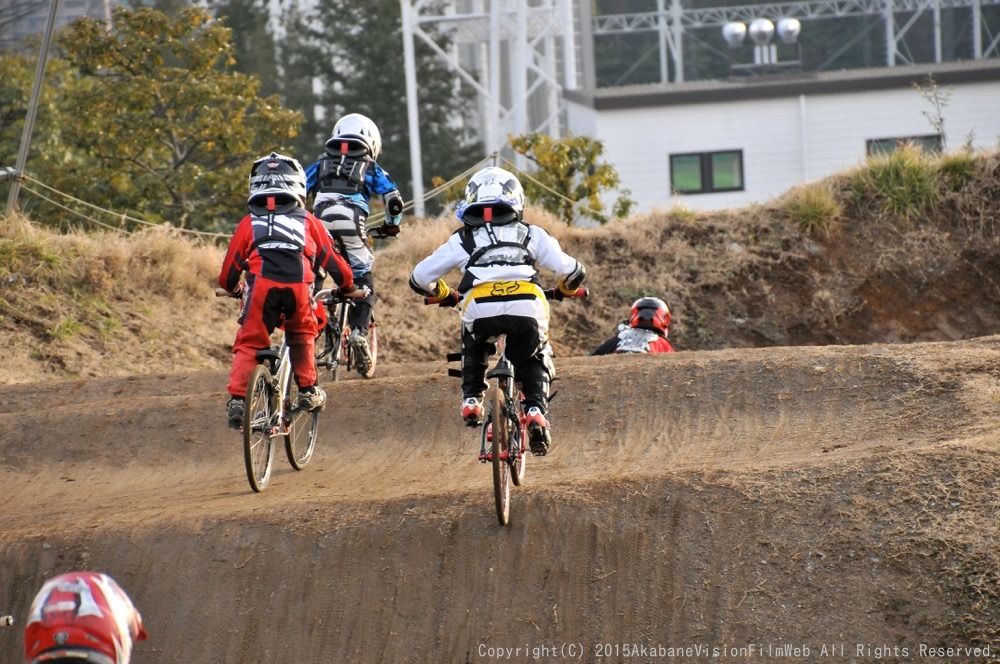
(785, 141)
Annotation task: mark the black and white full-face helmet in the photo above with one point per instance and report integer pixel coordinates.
(279, 176)
(493, 195)
(359, 127)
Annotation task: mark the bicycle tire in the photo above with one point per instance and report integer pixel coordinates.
(518, 456)
(325, 350)
(372, 348)
(344, 355)
(258, 419)
(303, 427)
(500, 423)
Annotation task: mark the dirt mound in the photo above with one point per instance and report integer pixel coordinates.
(721, 502)
(760, 494)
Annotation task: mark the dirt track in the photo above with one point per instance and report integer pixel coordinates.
(708, 500)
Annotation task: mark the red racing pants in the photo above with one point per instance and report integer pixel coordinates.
(267, 305)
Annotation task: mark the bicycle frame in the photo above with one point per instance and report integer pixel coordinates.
(335, 334)
(505, 432)
(503, 375)
(280, 364)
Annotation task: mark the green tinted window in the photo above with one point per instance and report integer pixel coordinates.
(727, 171)
(705, 172)
(885, 146)
(685, 173)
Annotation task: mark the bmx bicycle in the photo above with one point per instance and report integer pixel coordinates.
(271, 411)
(332, 349)
(504, 432)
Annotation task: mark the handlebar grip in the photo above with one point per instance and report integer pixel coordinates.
(451, 300)
(556, 294)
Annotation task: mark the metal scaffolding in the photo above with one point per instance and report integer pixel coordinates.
(519, 55)
(898, 17)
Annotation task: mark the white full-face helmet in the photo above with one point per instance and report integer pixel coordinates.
(493, 195)
(359, 127)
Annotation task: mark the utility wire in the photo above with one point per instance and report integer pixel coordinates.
(373, 220)
(123, 217)
(577, 205)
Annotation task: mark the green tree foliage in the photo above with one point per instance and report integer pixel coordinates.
(253, 44)
(569, 173)
(156, 122)
(356, 51)
(15, 89)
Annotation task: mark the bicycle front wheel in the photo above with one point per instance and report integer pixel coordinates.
(500, 423)
(327, 348)
(518, 441)
(303, 425)
(258, 422)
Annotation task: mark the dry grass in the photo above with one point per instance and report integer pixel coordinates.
(83, 304)
(759, 275)
(813, 208)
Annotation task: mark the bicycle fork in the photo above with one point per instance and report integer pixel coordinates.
(506, 385)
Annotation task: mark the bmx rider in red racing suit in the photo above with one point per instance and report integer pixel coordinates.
(278, 245)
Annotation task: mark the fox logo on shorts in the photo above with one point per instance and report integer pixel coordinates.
(504, 287)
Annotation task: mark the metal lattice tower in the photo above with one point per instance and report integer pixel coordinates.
(517, 55)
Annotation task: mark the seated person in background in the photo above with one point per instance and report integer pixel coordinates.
(645, 331)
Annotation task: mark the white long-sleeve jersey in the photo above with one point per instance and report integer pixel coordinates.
(489, 254)
(511, 252)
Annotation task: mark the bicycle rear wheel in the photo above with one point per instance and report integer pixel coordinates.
(500, 423)
(372, 348)
(258, 419)
(303, 426)
(326, 349)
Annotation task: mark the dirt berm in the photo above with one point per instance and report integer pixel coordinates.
(837, 500)
(758, 496)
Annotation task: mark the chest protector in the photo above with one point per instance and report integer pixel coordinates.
(281, 229)
(342, 167)
(490, 246)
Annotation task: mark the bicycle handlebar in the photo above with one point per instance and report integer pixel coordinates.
(556, 294)
(550, 294)
(325, 295)
(332, 295)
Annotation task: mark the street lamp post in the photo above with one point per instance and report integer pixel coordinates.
(29, 120)
(765, 51)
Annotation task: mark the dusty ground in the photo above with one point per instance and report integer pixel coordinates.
(811, 498)
(813, 478)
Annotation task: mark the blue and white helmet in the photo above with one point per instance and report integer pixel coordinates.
(494, 196)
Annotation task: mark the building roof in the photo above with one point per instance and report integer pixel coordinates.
(769, 86)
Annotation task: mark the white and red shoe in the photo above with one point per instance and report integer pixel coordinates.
(472, 411)
(538, 431)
